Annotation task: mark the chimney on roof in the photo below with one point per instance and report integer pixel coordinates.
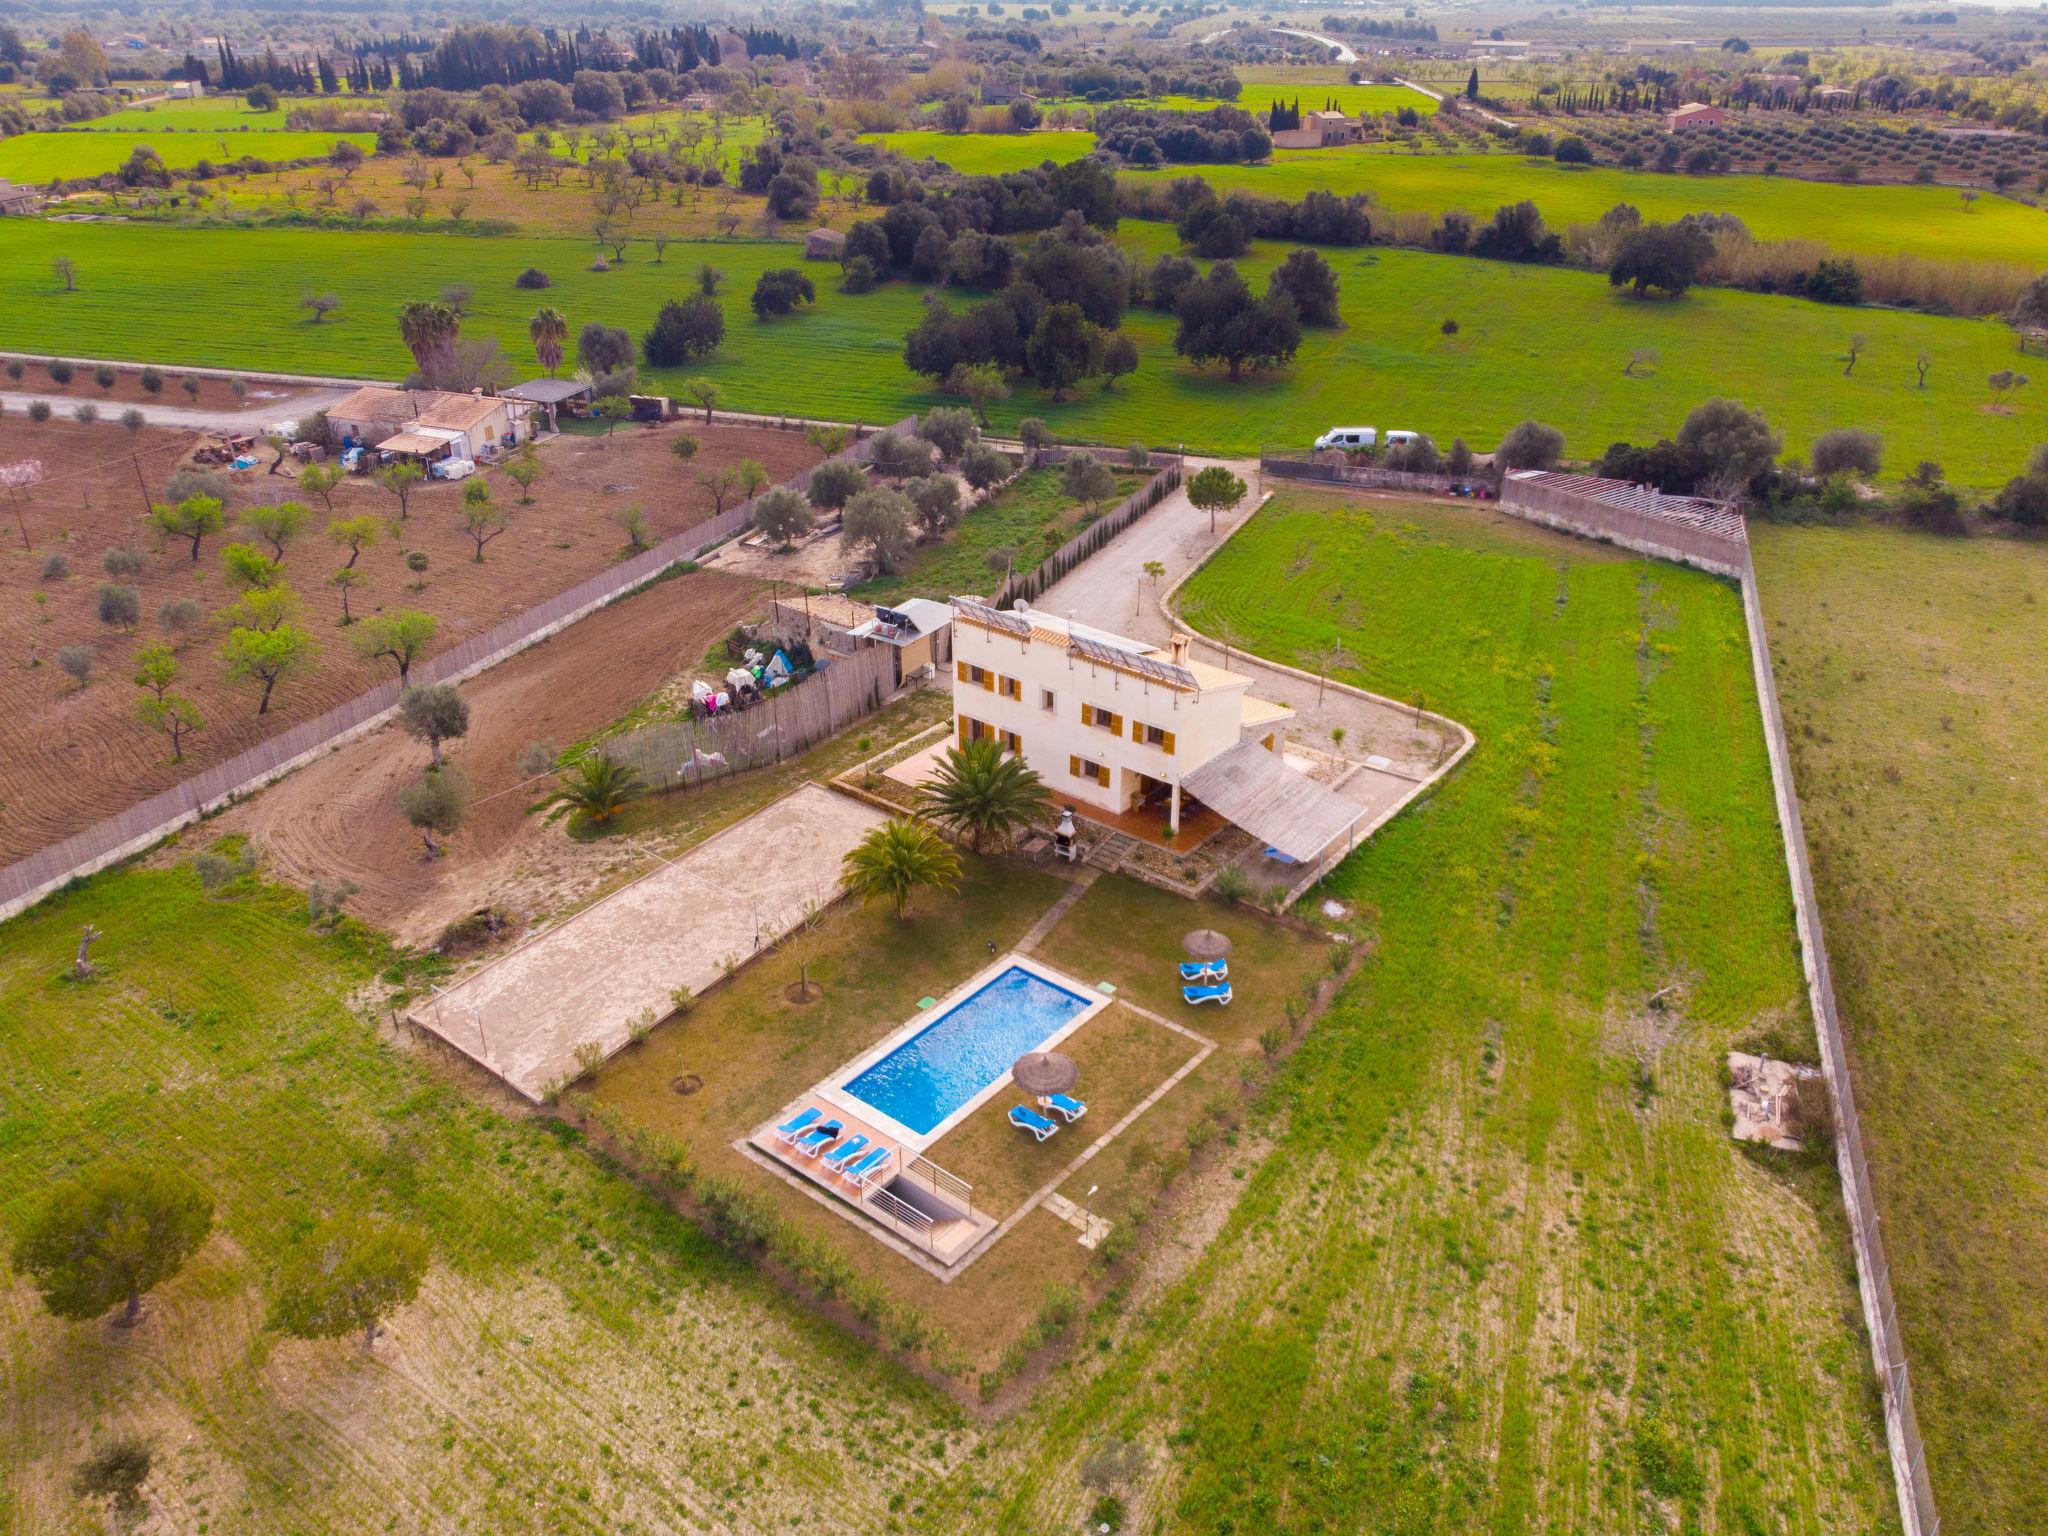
(1180, 649)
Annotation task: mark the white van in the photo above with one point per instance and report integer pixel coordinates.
(1395, 439)
(1351, 439)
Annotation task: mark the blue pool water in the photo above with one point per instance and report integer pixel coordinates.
(965, 1049)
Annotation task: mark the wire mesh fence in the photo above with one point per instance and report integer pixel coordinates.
(117, 837)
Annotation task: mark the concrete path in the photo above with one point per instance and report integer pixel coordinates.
(1110, 589)
(254, 418)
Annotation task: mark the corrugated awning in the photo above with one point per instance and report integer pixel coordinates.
(1253, 789)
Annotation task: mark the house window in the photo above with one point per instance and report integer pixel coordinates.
(1102, 719)
(1010, 688)
(1013, 743)
(1082, 768)
(973, 730)
(1152, 736)
(1046, 699)
(978, 677)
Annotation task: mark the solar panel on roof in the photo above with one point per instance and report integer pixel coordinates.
(994, 618)
(1146, 666)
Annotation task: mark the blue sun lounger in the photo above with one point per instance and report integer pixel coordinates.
(1204, 970)
(869, 1168)
(1067, 1109)
(815, 1140)
(1027, 1119)
(844, 1154)
(1220, 994)
(790, 1129)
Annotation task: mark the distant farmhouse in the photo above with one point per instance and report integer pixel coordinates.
(1320, 130)
(1695, 114)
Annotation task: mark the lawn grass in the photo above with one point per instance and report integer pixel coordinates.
(42, 157)
(1908, 667)
(989, 154)
(218, 1037)
(1031, 517)
(1862, 220)
(1531, 341)
(1503, 1269)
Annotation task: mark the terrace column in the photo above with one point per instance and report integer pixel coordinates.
(1173, 810)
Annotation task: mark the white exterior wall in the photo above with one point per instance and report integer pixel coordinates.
(1202, 724)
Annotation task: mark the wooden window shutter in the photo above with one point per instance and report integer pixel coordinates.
(1167, 744)
(988, 681)
(1137, 730)
(961, 673)
(1087, 714)
(1073, 766)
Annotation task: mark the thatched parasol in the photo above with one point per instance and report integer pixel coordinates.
(1045, 1072)
(1206, 944)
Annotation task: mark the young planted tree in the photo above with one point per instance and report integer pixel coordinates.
(279, 525)
(320, 480)
(612, 410)
(434, 714)
(268, 656)
(119, 606)
(192, 518)
(983, 793)
(402, 637)
(632, 523)
(783, 516)
(1215, 490)
(523, 470)
(346, 1276)
(354, 534)
(834, 483)
(1086, 479)
(984, 468)
(978, 384)
(399, 477)
(172, 715)
(482, 519)
(248, 569)
(753, 478)
(156, 668)
(434, 805)
(108, 1237)
(895, 859)
(879, 520)
(704, 392)
(723, 485)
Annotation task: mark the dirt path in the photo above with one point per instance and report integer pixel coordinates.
(338, 818)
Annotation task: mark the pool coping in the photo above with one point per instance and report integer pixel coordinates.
(830, 1090)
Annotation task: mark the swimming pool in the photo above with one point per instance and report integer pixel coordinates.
(973, 1043)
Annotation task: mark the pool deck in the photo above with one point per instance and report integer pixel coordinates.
(944, 1242)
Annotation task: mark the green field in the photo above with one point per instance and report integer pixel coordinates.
(1503, 1270)
(1352, 99)
(1908, 667)
(41, 157)
(1494, 1265)
(221, 113)
(1531, 340)
(219, 1039)
(990, 154)
(1876, 220)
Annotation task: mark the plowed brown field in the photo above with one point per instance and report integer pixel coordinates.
(70, 755)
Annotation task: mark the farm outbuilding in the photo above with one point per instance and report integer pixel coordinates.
(1695, 114)
(824, 245)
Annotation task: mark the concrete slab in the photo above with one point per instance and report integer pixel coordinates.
(584, 981)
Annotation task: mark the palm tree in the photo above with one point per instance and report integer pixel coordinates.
(982, 793)
(895, 859)
(550, 333)
(600, 788)
(429, 331)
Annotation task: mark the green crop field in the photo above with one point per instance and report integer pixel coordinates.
(1878, 220)
(1350, 99)
(990, 154)
(41, 157)
(1909, 669)
(1530, 341)
(221, 113)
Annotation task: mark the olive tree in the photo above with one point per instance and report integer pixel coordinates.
(346, 1276)
(434, 713)
(111, 1235)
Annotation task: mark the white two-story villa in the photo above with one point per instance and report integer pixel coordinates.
(1110, 723)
